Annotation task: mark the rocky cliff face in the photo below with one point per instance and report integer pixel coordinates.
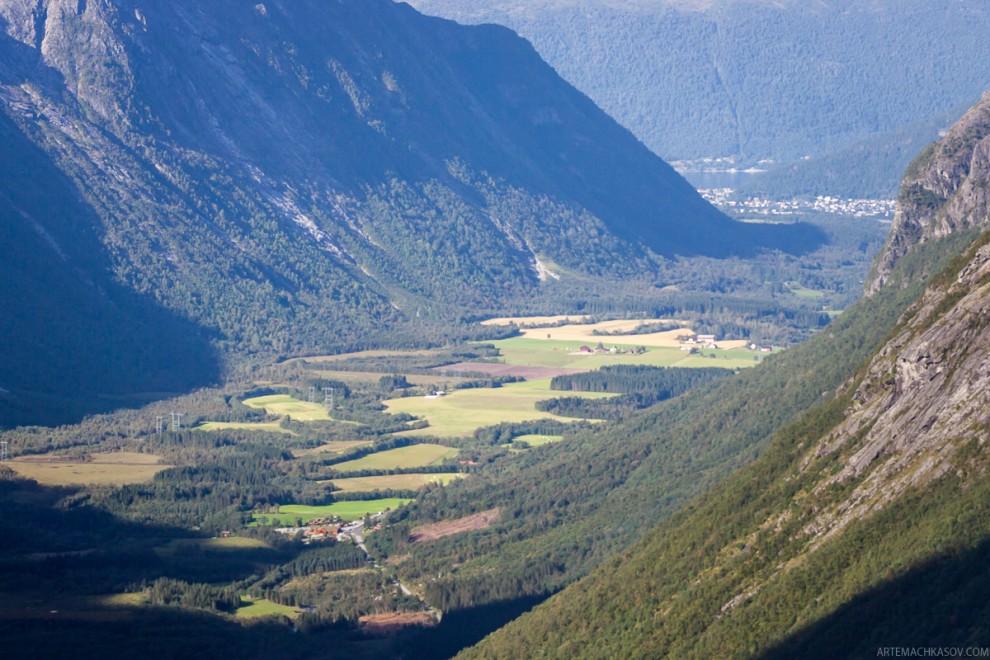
(945, 190)
(926, 395)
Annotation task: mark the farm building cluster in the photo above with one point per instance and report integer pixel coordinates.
(601, 349)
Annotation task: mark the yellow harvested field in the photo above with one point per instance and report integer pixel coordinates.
(536, 321)
(539, 327)
(586, 333)
(393, 482)
(116, 469)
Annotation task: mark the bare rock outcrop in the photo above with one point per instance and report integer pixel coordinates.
(945, 190)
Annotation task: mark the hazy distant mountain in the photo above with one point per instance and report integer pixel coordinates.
(294, 176)
(754, 79)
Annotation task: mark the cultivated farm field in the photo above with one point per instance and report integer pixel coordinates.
(283, 404)
(462, 412)
(253, 609)
(288, 513)
(270, 427)
(393, 482)
(114, 469)
(412, 456)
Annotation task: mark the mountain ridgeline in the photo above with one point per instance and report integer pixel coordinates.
(289, 177)
(757, 80)
(864, 522)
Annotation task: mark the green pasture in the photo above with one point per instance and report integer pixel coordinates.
(283, 404)
(804, 292)
(462, 412)
(393, 482)
(288, 513)
(211, 544)
(736, 358)
(412, 456)
(334, 447)
(553, 353)
(538, 440)
(253, 609)
(270, 427)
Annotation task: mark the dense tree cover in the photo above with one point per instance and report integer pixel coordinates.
(870, 168)
(740, 573)
(370, 214)
(666, 382)
(753, 80)
(567, 506)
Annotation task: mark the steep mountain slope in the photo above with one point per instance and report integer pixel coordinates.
(291, 177)
(754, 79)
(944, 190)
(70, 332)
(861, 526)
(571, 506)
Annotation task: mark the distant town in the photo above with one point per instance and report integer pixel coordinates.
(727, 200)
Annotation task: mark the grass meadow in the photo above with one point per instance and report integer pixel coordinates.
(283, 404)
(289, 513)
(462, 412)
(413, 456)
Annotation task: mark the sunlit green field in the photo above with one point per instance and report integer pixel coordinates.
(271, 427)
(288, 513)
(252, 609)
(403, 457)
(551, 353)
(461, 412)
(283, 404)
(335, 447)
(393, 482)
(536, 440)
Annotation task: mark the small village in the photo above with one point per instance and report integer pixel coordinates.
(727, 200)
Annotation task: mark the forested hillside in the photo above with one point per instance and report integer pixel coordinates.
(299, 177)
(569, 507)
(756, 80)
(863, 524)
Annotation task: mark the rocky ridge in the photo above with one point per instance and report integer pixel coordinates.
(944, 191)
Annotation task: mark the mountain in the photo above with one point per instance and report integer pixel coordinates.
(868, 169)
(755, 80)
(864, 522)
(288, 177)
(944, 190)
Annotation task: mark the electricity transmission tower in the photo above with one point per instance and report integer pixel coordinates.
(328, 397)
(159, 423)
(3, 451)
(177, 421)
(312, 394)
